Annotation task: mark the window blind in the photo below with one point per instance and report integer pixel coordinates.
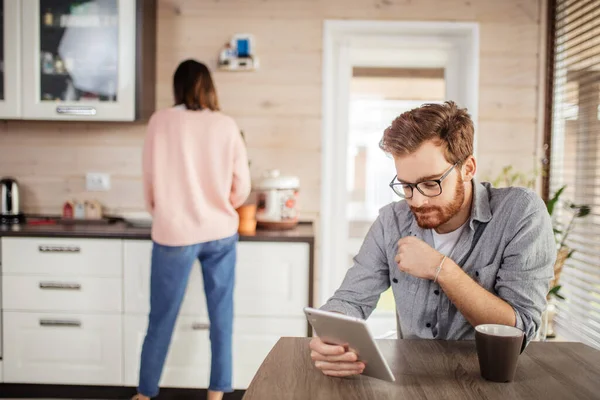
(573, 134)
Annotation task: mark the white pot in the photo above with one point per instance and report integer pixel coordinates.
(277, 200)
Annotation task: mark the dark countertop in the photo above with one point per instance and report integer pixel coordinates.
(119, 229)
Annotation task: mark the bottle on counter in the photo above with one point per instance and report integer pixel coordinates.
(47, 63)
(93, 209)
(79, 210)
(49, 18)
(68, 210)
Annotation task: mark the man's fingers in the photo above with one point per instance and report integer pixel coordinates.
(340, 374)
(317, 345)
(347, 357)
(352, 367)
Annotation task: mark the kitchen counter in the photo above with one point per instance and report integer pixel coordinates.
(119, 229)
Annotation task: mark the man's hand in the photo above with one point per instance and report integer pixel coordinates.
(417, 258)
(334, 360)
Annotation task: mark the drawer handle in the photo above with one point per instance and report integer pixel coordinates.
(59, 249)
(60, 286)
(198, 326)
(60, 322)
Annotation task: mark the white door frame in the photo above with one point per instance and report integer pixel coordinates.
(341, 40)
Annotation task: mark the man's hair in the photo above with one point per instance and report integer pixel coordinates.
(446, 124)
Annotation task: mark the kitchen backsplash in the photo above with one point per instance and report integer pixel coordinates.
(279, 106)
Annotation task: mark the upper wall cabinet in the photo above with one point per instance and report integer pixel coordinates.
(87, 59)
(10, 73)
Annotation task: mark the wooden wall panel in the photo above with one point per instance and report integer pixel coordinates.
(279, 106)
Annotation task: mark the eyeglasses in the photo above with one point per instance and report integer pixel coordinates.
(428, 188)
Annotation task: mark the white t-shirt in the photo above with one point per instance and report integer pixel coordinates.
(445, 242)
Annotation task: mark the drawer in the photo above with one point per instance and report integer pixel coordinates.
(60, 348)
(62, 293)
(188, 361)
(52, 256)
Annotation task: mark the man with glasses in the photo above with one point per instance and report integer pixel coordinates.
(457, 253)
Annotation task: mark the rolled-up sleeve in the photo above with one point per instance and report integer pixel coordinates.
(527, 268)
(365, 280)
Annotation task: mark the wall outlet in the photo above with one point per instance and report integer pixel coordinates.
(97, 182)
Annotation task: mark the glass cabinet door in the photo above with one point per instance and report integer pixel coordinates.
(10, 102)
(2, 34)
(83, 61)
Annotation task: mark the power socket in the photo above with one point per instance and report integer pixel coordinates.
(97, 182)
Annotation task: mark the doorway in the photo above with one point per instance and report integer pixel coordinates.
(374, 71)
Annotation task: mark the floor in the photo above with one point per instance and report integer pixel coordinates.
(55, 392)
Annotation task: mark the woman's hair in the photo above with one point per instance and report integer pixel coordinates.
(193, 86)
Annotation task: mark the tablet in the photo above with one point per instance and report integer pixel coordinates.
(335, 328)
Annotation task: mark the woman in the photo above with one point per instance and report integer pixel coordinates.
(195, 176)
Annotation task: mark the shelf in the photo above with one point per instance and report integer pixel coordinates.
(225, 69)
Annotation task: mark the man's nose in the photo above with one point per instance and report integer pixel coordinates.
(418, 199)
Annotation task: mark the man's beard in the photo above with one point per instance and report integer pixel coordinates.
(431, 217)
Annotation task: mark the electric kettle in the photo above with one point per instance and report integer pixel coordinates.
(10, 206)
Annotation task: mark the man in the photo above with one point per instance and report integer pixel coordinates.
(457, 253)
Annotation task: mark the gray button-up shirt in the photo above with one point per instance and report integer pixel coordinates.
(507, 247)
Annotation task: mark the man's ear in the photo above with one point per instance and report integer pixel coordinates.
(469, 168)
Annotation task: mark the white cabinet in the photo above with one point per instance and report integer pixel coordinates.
(90, 60)
(271, 279)
(278, 271)
(62, 348)
(137, 257)
(10, 72)
(62, 303)
(254, 338)
(188, 362)
(271, 291)
(72, 257)
(75, 311)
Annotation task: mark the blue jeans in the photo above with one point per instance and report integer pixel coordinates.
(171, 268)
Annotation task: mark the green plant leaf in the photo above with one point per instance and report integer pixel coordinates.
(583, 211)
(555, 292)
(560, 296)
(552, 202)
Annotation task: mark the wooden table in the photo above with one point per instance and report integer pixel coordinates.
(432, 369)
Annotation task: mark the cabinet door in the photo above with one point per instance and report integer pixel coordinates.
(188, 362)
(10, 70)
(137, 257)
(79, 59)
(58, 348)
(271, 279)
(253, 339)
